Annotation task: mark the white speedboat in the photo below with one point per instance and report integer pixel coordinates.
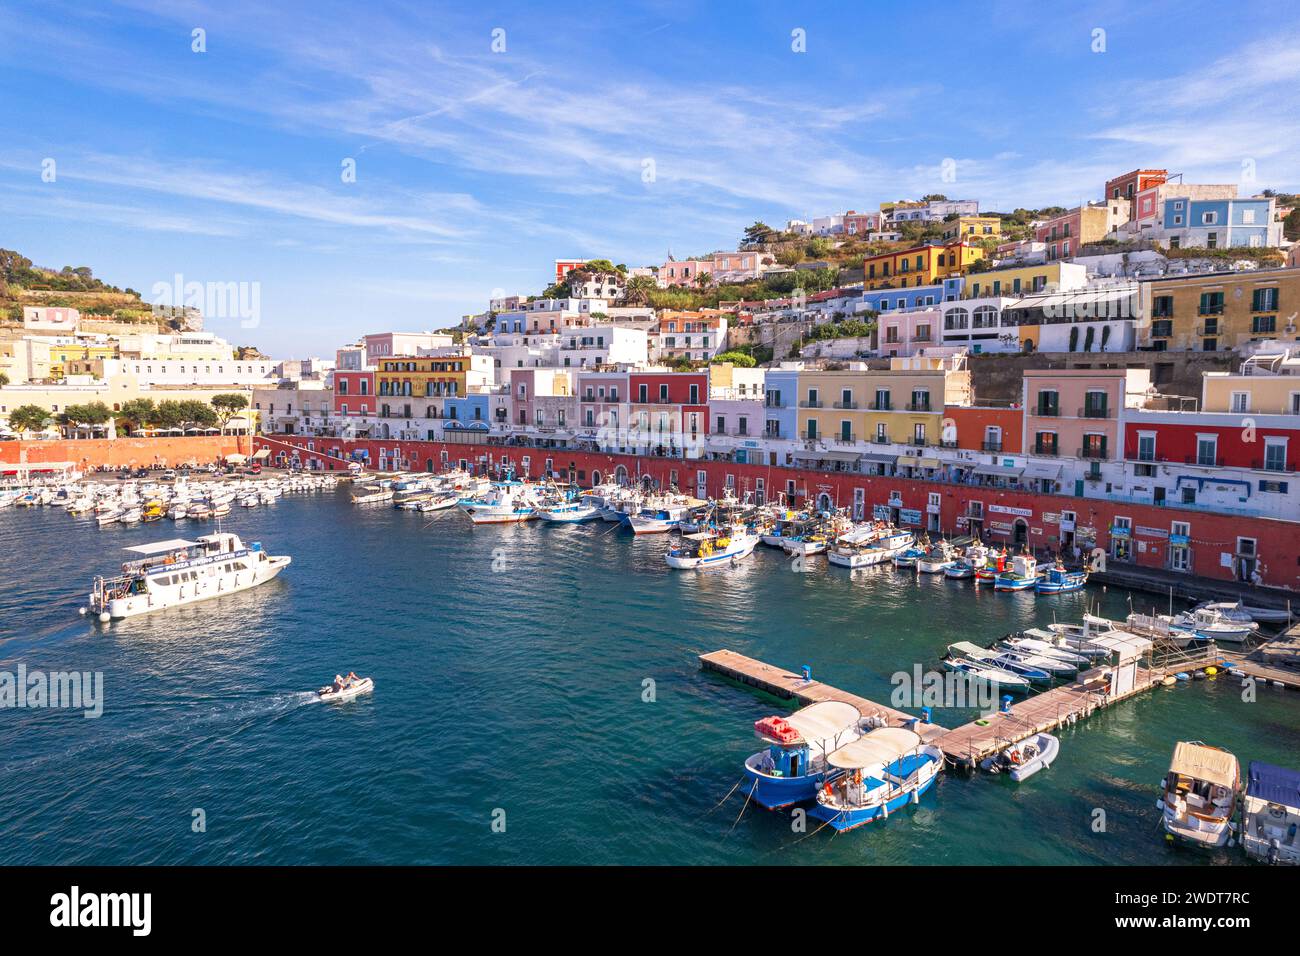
(505, 503)
(176, 572)
(1024, 759)
(848, 554)
(568, 512)
(1207, 624)
(1200, 797)
(439, 502)
(344, 689)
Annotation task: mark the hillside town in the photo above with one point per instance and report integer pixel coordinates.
(969, 350)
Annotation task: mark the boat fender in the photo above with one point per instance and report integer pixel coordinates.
(916, 797)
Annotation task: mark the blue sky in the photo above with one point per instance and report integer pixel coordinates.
(476, 169)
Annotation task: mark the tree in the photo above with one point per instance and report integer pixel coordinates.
(703, 279)
(137, 413)
(83, 416)
(1291, 225)
(186, 414)
(4, 379)
(30, 418)
(739, 359)
(639, 290)
(228, 405)
(760, 232)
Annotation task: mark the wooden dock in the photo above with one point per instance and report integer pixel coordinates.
(970, 743)
(790, 686)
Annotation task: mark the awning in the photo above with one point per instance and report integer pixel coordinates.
(913, 461)
(1274, 784)
(999, 471)
(262, 453)
(161, 547)
(236, 459)
(821, 724)
(1205, 763)
(828, 455)
(1043, 469)
(881, 746)
(881, 459)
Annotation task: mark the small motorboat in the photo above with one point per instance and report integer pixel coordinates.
(345, 689)
(1024, 759)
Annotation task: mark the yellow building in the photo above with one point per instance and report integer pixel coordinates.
(78, 359)
(407, 377)
(1022, 280)
(1268, 384)
(920, 265)
(971, 228)
(1219, 312)
(902, 405)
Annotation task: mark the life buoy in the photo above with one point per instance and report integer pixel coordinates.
(1014, 756)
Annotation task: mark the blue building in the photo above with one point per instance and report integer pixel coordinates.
(890, 300)
(1220, 223)
(781, 403)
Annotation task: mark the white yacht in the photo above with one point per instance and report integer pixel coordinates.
(175, 572)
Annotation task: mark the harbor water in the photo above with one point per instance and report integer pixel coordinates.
(538, 700)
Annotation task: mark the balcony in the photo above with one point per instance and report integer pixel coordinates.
(1094, 412)
(810, 404)
(881, 406)
(1048, 411)
(1050, 451)
(1097, 452)
(919, 407)
(881, 440)
(846, 439)
(1203, 461)
(1209, 328)
(992, 446)
(845, 405)
(945, 443)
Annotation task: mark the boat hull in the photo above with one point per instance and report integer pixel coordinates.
(842, 819)
(774, 793)
(202, 590)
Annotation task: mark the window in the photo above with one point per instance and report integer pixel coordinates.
(1209, 218)
(1241, 401)
(1048, 402)
(1045, 443)
(1207, 450)
(918, 434)
(663, 394)
(812, 428)
(1275, 454)
(1211, 303)
(695, 395)
(642, 393)
(1263, 300)
(1162, 307)
(1146, 446)
(1263, 324)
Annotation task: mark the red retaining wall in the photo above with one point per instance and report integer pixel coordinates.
(137, 452)
(1213, 537)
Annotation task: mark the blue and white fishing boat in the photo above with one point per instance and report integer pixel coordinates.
(507, 502)
(658, 517)
(848, 554)
(1059, 580)
(787, 524)
(909, 556)
(794, 764)
(936, 558)
(568, 512)
(878, 774)
(1021, 575)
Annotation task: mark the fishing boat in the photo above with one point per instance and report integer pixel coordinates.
(369, 494)
(998, 677)
(937, 557)
(712, 548)
(201, 512)
(153, 511)
(568, 512)
(179, 511)
(1207, 624)
(972, 560)
(176, 572)
(880, 772)
(1021, 575)
(1022, 760)
(1044, 648)
(793, 764)
(507, 502)
(1240, 613)
(908, 557)
(658, 515)
(866, 554)
(1270, 814)
(439, 501)
(346, 688)
(1060, 580)
(1201, 791)
(788, 524)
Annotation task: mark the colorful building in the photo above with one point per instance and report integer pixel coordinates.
(1220, 311)
(1021, 280)
(971, 228)
(1074, 413)
(920, 265)
(1063, 235)
(1130, 184)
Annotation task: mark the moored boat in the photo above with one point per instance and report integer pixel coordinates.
(1201, 791)
(712, 548)
(880, 772)
(1025, 758)
(1021, 575)
(1060, 580)
(1270, 814)
(793, 765)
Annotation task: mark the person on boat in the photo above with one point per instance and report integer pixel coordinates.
(338, 683)
(352, 678)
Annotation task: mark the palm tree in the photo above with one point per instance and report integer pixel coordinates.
(704, 279)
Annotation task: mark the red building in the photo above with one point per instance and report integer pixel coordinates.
(1213, 439)
(354, 392)
(1132, 183)
(668, 413)
(983, 429)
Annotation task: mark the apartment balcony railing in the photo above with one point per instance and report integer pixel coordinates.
(846, 439)
(1209, 328)
(845, 405)
(1092, 452)
(1210, 310)
(1048, 411)
(881, 406)
(810, 404)
(881, 440)
(992, 446)
(1204, 461)
(918, 407)
(1094, 412)
(1048, 450)
(948, 444)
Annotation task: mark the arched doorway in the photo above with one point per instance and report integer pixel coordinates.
(428, 464)
(595, 477)
(824, 502)
(620, 475)
(1020, 532)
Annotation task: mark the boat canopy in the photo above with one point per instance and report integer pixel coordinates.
(881, 746)
(820, 723)
(1204, 763)
(162, 547)
(1274, 784)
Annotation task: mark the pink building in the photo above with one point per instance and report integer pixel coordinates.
(675, 273)
(860, 223)
(908, 331)
(1074, 413)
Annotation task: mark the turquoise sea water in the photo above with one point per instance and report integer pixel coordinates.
(510, 665)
